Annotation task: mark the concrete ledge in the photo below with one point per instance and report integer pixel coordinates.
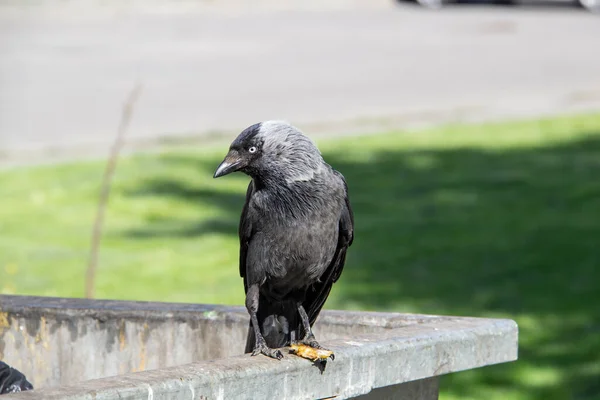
(195, 351)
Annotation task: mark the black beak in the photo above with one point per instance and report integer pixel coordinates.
(231, 163)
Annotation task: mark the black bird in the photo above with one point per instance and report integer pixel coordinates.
(12, 380)
(295, 228)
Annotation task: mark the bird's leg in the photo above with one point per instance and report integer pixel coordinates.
(260, 346)
(309, 337)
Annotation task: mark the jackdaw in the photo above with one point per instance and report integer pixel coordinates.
(295, 228)
(12, 380)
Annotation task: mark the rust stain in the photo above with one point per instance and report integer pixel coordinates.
(29, 344)
(3, 321)
(122, 336)
(143, 339)
(39, 337)
(3, 326)
(142, 365)
(34, 343)
(45, 333)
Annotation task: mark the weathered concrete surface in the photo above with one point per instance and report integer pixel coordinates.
(197, 349)
(336, 66)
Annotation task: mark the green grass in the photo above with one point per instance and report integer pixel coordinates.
(497, 220)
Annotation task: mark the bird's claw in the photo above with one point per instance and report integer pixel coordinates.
(267, 351)
(311, 342)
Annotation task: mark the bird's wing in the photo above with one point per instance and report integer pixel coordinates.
(245, 233)
(266, 314)
(316, 298)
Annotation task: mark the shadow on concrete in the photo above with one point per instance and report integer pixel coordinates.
(468, 232)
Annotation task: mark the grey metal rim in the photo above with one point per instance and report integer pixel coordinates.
(432, 4)
(591, 5)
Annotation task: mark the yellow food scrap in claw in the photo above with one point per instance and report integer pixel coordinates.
(311, 353)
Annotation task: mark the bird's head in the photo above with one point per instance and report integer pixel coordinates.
(272, 150)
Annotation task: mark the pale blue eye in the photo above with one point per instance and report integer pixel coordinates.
(252, 149)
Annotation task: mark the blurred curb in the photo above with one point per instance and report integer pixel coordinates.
(57, 152)
(100, 8)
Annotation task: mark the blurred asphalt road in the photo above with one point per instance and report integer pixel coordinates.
(64, 72)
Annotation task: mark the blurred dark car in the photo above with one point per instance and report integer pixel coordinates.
(591, 5)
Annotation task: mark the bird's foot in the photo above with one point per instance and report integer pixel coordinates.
(262, 348)
(312, 342)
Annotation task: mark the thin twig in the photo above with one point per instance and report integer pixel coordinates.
(105, 189)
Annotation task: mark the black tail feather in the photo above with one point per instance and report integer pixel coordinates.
(277, 320)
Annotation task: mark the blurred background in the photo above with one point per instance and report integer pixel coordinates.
(469, 134)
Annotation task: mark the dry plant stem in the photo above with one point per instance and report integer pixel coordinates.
(105, 189)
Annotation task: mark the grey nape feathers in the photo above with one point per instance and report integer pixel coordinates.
(295, 229)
